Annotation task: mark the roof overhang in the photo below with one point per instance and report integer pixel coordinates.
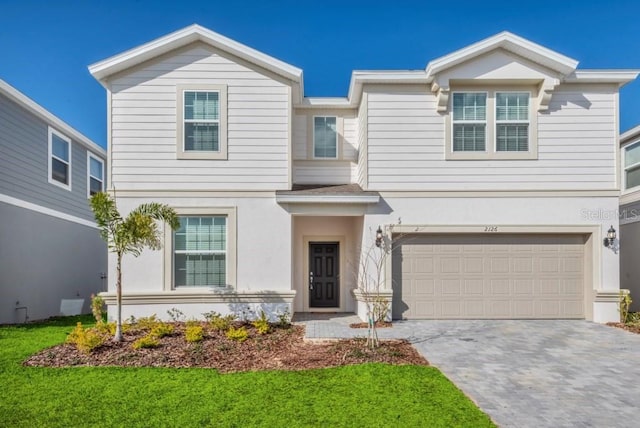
(619, 77)
(327, 199)
(193, 33)
(45, 115)
(327, 194)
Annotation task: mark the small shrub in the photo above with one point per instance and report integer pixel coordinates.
(262, 324)
(161, 330)
(85, 339)
(625, 303)
(238, 334)
(175, 314)
(194, 333)
(75, 333)
(633, 318)
(284, 319)
(147, 323)
(148, 341)
(110, 327)
(97, 308)
(221, 323)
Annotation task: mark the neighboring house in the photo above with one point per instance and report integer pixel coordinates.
(489, 170)
(630, 215)
(50, 248)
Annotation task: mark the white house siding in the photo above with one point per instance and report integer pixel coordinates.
(299, 136)
(362, 134)
(576, 145)
(143, 110)
(323, 171)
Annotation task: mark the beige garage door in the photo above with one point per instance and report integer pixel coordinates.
(488, 276)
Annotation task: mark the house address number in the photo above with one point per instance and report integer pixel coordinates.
(491, 228)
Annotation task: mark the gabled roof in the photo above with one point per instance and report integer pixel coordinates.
(52, 120)
(509, 42)
(193, 33)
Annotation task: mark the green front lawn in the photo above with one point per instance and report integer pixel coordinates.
(365, 395)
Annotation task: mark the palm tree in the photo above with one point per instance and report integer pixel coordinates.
(129, 235)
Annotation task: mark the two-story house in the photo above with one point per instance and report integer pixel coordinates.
(50, 247)
(488, 172)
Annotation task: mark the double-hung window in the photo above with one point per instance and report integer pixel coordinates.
(95, 168)
(325, 137)
(498, 123)
(202, 122)
(512, 121)
(632, 165)
(200, 252)
(469, 121)
(59, 159)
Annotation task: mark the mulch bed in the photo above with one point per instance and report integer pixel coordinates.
(281, 349)
(633, 328)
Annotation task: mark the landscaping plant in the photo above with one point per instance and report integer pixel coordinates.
(262, 324)
(129, 235)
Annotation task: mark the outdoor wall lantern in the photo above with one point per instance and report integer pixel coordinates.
(611, 237)
(379, 237)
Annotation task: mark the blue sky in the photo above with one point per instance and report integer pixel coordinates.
(46, 46)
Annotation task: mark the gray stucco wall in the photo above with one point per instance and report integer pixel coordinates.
(630, 261)
(24, 163)
(44, 259)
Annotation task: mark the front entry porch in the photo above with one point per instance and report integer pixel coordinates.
(326, 253)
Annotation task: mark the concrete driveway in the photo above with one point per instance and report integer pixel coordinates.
(537, 373)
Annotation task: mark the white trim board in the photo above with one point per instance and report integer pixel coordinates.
(46, 211)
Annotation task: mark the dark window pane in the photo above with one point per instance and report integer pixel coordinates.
(60, 171)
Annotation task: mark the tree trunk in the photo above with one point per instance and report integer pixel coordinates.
(118, 336)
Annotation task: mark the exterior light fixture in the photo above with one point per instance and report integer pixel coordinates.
(611, 237)
(379, 237)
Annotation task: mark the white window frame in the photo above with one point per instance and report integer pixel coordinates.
(231, 239)
(63, 137)
(181, 153)
(625, 168)
(313, 138)
(497, 122)
(490, 152)
(89, 176)
(484, 122)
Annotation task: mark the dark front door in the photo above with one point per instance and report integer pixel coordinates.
(323, 275)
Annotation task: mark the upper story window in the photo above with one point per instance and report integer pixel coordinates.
(632, 165)
(59, 159)
(494, 124)
(202, 122)
(95, 176)
(469, 122)
(512, 121)
(325, 137)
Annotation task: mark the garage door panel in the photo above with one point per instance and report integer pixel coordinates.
(496, 276)
(474, 287)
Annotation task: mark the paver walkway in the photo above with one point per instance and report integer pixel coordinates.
(556, 373)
